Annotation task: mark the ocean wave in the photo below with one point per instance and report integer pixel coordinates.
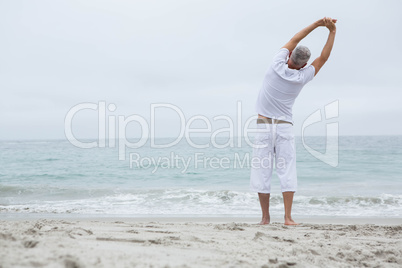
(189, 202)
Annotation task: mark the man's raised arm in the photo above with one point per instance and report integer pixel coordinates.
(326, 51)
(303, 33)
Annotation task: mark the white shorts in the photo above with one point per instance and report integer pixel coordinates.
(273, 144)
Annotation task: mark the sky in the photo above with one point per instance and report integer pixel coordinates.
(203, 57)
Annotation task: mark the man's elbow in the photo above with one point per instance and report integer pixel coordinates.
(324, 58)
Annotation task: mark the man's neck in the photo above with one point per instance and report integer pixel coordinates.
(290, 66)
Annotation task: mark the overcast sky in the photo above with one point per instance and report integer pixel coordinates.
(202, 56)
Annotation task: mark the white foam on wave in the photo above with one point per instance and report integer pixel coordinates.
(208, 202)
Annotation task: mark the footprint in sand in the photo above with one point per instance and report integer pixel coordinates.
(79, 232)
(7, 237)
(31, 231)
(30, 243)
(232, 227)
(314, 252)
(259, 235)
(71, 262)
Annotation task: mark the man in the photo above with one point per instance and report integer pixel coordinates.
(275, 139)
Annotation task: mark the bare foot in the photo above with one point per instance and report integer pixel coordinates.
(264, 221)
(290, 221)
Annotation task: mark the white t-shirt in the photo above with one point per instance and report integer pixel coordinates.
(281, 86)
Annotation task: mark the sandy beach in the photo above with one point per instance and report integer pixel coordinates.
(198, 242)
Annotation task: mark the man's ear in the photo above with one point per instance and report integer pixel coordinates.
(290, 53)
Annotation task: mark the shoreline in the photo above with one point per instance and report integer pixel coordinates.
(198, 219)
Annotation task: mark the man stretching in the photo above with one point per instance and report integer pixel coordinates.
(275, 138)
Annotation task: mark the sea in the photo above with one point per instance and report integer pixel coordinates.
(55, 177)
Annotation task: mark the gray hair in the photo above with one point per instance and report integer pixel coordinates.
(300, 56)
